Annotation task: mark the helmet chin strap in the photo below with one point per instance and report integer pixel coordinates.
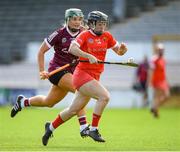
(98, 33)
(73, 29)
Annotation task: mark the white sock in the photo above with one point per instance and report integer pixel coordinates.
(22, 102)
(51, 127)
(93, 128)
(82, 127)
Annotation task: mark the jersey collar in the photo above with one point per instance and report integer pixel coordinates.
(72, 34)
(92, 32)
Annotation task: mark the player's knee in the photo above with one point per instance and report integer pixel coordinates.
(49, 105)
(105, 98)
(72, 111)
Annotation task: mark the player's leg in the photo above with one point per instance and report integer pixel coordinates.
(66, 84)
(163, 96)
(155, 105)
(62, 84)
(96, 90)
(145, 94)
(54, 96)
(78, 103)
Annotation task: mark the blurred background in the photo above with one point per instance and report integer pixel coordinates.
(139, 23)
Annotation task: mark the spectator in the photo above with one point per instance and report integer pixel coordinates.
(141, 79)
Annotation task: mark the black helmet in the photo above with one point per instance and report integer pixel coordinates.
(95, 16)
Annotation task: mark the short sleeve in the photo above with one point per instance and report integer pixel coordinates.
(52, 39)
(80, 39)
(111, 41)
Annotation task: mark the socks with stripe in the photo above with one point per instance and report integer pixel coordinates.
(25, 102)
(82, 122)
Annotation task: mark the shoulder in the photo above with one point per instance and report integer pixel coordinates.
(56, 33)
(107, 33)
(83, 33)
(61, 30)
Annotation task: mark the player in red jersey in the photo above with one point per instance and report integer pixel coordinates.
(61, 81)
(158, 79)
(92, 45)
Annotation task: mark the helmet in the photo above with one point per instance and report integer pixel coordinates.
(73, 12)
(159, 48)
(95, 16)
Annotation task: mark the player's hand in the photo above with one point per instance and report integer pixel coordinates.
(122, 49)
(43, 75)
(92, 59)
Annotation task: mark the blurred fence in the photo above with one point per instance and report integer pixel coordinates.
(9, 95)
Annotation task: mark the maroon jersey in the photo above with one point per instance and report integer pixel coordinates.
(61, 40)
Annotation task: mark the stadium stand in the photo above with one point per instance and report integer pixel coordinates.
(25, 21)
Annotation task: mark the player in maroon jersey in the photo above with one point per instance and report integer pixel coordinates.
(61, 81)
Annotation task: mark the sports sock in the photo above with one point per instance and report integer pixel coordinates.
(25, 102)
(95, 121)
(51, 127)
(93, 128)
(82, 122)
(56, 123)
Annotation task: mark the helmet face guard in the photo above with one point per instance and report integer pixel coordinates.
(94, 17)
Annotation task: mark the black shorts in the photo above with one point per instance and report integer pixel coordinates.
(55, 78)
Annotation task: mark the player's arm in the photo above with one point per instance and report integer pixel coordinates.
(120, 49)
(75, 50)
(42, 50)
(50, 41)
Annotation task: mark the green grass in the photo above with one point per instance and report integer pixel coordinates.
(123, 129)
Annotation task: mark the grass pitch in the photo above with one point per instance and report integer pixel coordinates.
(123, 129)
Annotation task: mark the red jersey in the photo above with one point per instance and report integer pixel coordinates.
(95, 45)
(159, 71)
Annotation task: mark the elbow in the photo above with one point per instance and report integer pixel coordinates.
(72, 49)
(40, 53)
